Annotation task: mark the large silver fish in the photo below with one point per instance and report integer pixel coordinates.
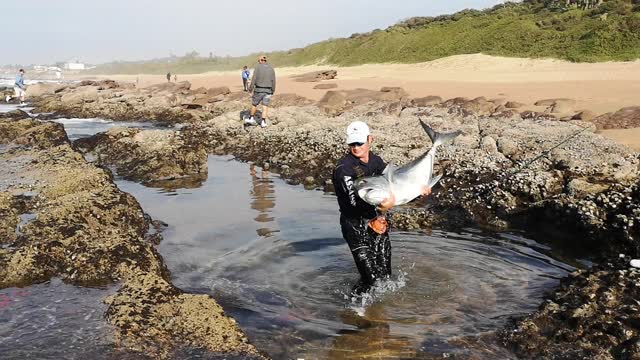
(405, 183)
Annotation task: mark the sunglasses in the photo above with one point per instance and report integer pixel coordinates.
(356, 144)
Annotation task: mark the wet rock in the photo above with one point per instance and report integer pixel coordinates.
(593, 315)
(147, 155)
(82, 229)
(16, 114)
(156, 318)
(32, 133)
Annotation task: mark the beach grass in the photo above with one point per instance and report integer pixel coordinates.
(532, 29)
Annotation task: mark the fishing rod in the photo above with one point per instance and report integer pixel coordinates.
(546, 152)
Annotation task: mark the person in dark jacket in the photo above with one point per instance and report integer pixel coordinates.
(263, 86)
(364, 227)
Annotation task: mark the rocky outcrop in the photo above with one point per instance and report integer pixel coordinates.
(281, 100)
(426, 101)
(147, 155)
(624, 118)
(62, 217)
(578, 188)
(316, 76)
(594, 314)
(165, 103)
(335, 102)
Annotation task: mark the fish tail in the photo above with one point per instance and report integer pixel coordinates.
(436, 137)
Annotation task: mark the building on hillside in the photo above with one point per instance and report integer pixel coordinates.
(74, 66)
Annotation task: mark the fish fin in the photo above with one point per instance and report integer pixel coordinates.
(438, 138)
(434, 181)
(389, 171)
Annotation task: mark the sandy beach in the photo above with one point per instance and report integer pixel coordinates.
(599, 87)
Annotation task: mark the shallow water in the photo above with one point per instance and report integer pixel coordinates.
(54, 321)
(273, 256)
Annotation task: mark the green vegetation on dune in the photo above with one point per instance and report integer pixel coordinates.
(580, 31)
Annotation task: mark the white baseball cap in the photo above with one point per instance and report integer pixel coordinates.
(357, 132)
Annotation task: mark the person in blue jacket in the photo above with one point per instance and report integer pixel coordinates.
(245, 78)
(19, 88)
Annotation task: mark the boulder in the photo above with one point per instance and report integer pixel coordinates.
(147, 155)
(80, 95)
(316, 76)
(479, 106)
(426, 101)
(625, 118)
(220, 90)
(289, 100)
(584, 115)
(562, 106)
(332, 103)
(551, 102)
(513, 105)
(40, 89)
(393, 93)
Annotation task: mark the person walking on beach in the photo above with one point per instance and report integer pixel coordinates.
(245, 78)
(175, 78)
(168, 77)
(364, 227)
(263, 86)
(19, 88)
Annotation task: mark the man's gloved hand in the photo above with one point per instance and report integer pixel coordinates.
(379, 224)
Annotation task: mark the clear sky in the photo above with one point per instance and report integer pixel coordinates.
(96, 31)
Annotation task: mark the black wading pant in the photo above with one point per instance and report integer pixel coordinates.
(371, 251)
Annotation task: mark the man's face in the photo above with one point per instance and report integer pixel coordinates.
(359, 150)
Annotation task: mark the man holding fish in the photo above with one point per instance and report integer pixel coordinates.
(366, 188)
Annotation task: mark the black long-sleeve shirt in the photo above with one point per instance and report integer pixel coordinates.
(346, 172)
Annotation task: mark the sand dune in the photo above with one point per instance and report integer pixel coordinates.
(599, 87)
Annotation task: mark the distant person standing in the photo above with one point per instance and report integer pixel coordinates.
(168, 77)
(175, 78)
(19, 88)
(263, 86)
(245, 78)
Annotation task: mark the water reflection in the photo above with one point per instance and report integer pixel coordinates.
(187, 182)
(263, 199)
(372, 339)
